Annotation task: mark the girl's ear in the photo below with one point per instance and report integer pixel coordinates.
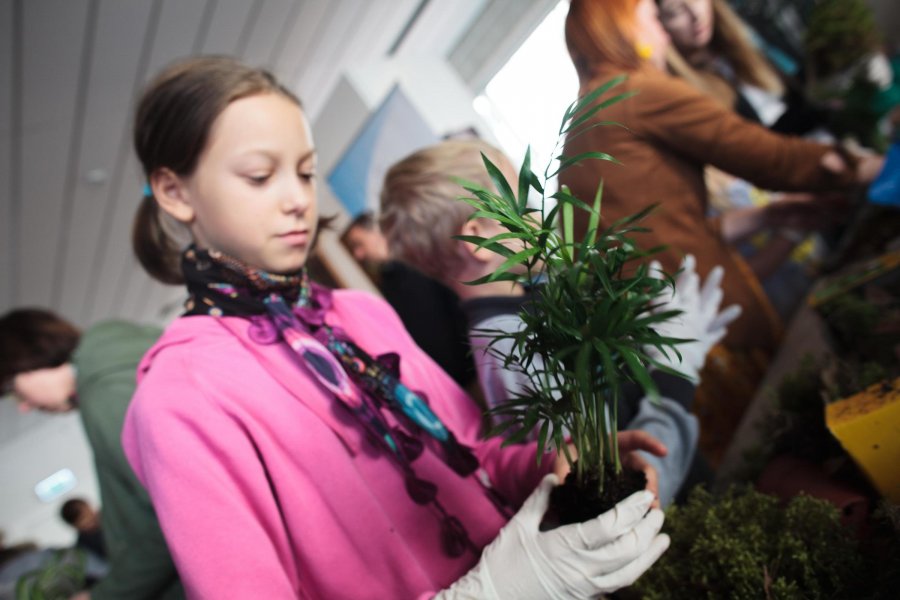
(171, 193)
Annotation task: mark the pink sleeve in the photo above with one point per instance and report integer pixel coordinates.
(210, 493)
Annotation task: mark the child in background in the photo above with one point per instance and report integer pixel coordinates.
(49, 365)
(86, 521)
(275, 424)
(420, 215)
(429, 311)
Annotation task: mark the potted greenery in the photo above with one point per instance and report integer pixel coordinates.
(591, 320)
(747, 545)
(841, 41)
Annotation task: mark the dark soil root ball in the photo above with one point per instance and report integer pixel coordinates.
(571, 503)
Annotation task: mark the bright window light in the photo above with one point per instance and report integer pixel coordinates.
(55, 485)
(525, 101)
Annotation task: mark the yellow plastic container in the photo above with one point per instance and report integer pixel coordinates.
(868, 426)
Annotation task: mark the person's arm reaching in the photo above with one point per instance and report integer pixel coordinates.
(698, 127)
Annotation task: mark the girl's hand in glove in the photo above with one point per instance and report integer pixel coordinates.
(582, 560)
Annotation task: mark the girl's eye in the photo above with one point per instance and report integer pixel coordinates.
(257, 179)
(310, 176)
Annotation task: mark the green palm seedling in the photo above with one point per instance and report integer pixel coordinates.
(592, 318)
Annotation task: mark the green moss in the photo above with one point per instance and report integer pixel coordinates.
(795, 425)
(850, 319)
(839, 33)
(744, 545)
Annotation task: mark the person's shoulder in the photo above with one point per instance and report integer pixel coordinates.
(489, 310)
(197, 357)
(351, 299)
(120, 329)
(366, 316)
(110, 347)
(188, 338)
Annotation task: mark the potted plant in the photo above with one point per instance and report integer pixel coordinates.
(588, 328)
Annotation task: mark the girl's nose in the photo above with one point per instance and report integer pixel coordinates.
(299, 197)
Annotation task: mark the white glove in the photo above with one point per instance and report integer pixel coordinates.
(700, 319)
(582, 560)
(879, 71)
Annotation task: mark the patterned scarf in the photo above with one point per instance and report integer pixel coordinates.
(291, 309)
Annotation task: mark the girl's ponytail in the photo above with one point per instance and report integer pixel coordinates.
(157, 251)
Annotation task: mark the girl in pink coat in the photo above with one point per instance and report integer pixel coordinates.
(294, 440)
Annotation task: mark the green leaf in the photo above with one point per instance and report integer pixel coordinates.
(493, 277)
(564, 197)
(585, 101)
(525, 177)
(574, 134)
(482, 242)
(514, 260)
(586, 115)
(542, 437)
(594, 219)
(500, 181)
(568, 223)
(567, 161)
(536, 184)
(639, 372)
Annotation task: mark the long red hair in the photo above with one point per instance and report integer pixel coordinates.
(602, 32)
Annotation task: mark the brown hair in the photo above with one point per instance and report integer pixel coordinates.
(602, 33)
(366, 220)
(33, 338)
(72, 509)
(171, 127)
(420, 210)
(731, 40)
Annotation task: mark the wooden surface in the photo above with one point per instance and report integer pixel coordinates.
(803, 335)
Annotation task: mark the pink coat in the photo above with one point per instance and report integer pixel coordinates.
(265, 490)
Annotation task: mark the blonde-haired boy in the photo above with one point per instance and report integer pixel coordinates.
(420, 214)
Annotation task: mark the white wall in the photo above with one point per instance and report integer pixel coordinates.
(432, 85)
(56, 443)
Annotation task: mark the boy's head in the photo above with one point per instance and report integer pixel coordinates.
(79, 514)
(36, 347)
(364, 240)
(421, 212)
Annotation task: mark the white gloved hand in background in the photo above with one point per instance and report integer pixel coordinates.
(582, 560)
(700, 321)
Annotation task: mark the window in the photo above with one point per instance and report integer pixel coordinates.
(525, 101)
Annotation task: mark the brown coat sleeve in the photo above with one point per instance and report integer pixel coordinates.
(702, 130)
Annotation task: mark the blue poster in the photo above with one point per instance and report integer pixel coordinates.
(393, 131)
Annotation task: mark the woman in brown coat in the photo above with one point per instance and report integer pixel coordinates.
(669, 133)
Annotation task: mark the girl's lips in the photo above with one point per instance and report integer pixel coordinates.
(295, 238)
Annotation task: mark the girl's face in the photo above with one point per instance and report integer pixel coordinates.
(650, 33)
(253, 193)
(689, 22)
